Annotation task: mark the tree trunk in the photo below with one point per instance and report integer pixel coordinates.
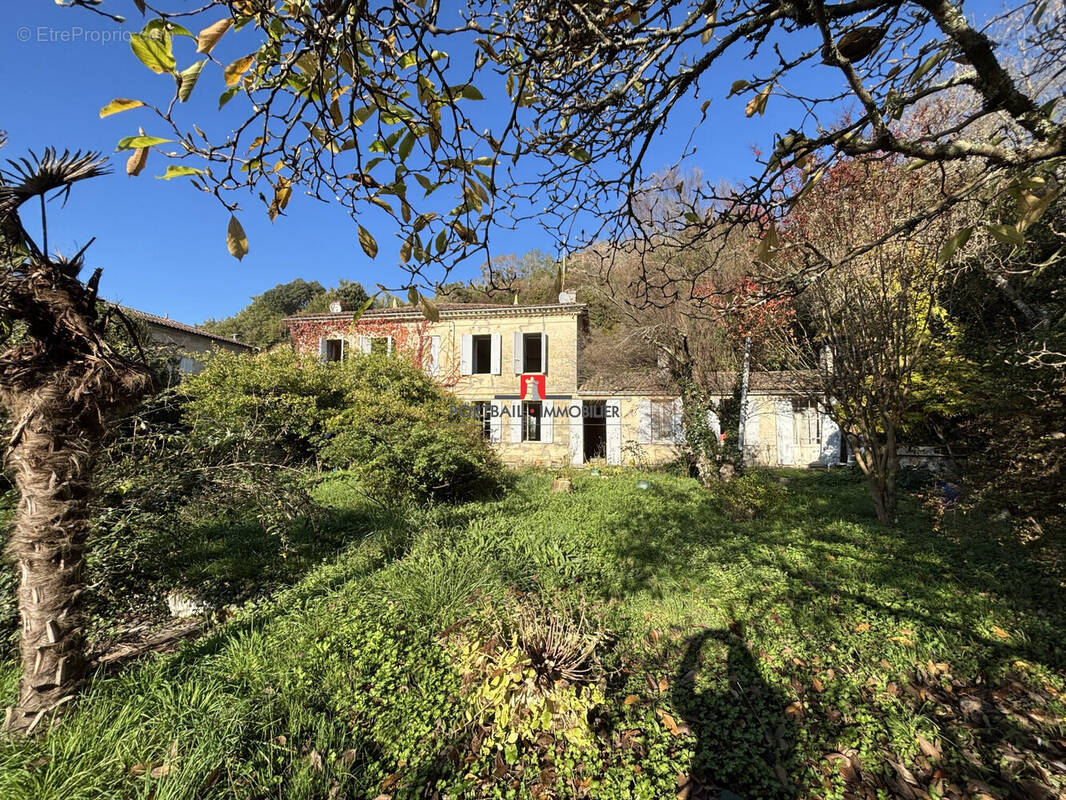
(879, 461)
(51, 464)
(59, 386)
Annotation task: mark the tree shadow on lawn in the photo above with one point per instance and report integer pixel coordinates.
(832, 549)
(744, 741)
(810, 573)
(236, 562)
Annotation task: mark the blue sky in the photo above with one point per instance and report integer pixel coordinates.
(162, 244)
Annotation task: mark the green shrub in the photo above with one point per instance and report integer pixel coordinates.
(753, 495)
(268, 406)
(397, 433)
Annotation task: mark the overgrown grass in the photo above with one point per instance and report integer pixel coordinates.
(805, 652)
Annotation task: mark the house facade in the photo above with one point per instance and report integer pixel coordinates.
(186, 343)
(518, 372)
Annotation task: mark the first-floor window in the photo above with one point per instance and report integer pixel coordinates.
(532, 352)
(481, 361)
(334, 350)
(483, 414)
(662, 420)
(531, 414)
(379, 345)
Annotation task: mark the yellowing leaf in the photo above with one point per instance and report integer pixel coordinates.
(118, 105)
(282, 194)
(1002, 634)
(210, 35)
(187, 80)
(234, 71)
(757, 104)
(862, 627)
(767, 246)
(1007, 234)
(177, 171)
(236, 240)
(133, 142)
(367, 242)
(630, 700)
(154, 52)
(429, 309)
(135, 163)
(952, 245)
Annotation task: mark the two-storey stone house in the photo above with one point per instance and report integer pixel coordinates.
(517, 371)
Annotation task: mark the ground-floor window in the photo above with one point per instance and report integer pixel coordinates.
(379, 345)
(531, 415)
(662, 420)
(334, 350)
(483, 414)
(806, 422)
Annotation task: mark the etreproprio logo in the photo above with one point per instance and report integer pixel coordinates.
(533, 388)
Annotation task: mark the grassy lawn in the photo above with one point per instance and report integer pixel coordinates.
(807, 652)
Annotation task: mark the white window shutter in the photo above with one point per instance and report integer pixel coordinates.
(434, 356)
(344, 349)
(714, 423)
(678, 421)
(388, 345)
(547, 421)
(519, 355)
(544, 353)
(515, 408)
(577, 434)
(830, 444)
(785, 423)
(466, 355)
(750, 417)
(496, 422)
(644, 421)
(497, 346)
(614, 432)
(364, 344)
(322, 349)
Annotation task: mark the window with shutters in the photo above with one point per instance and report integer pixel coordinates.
(531, 414)
(334, 350)
(483, 414)
(662, 420)
(532, 352)
(481, 357)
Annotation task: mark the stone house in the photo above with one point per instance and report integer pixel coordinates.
(517, 371)
(183, 341)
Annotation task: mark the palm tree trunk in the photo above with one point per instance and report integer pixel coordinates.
(51, 465)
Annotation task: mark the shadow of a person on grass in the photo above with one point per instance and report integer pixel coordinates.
(744, 740)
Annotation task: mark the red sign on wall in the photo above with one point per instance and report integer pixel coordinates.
(532, 387)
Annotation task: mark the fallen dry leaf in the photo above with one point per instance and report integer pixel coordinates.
(817, 684)
(671, 724)
(930, 749)
(862, 627)
(1002, 634)
(630, 700)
